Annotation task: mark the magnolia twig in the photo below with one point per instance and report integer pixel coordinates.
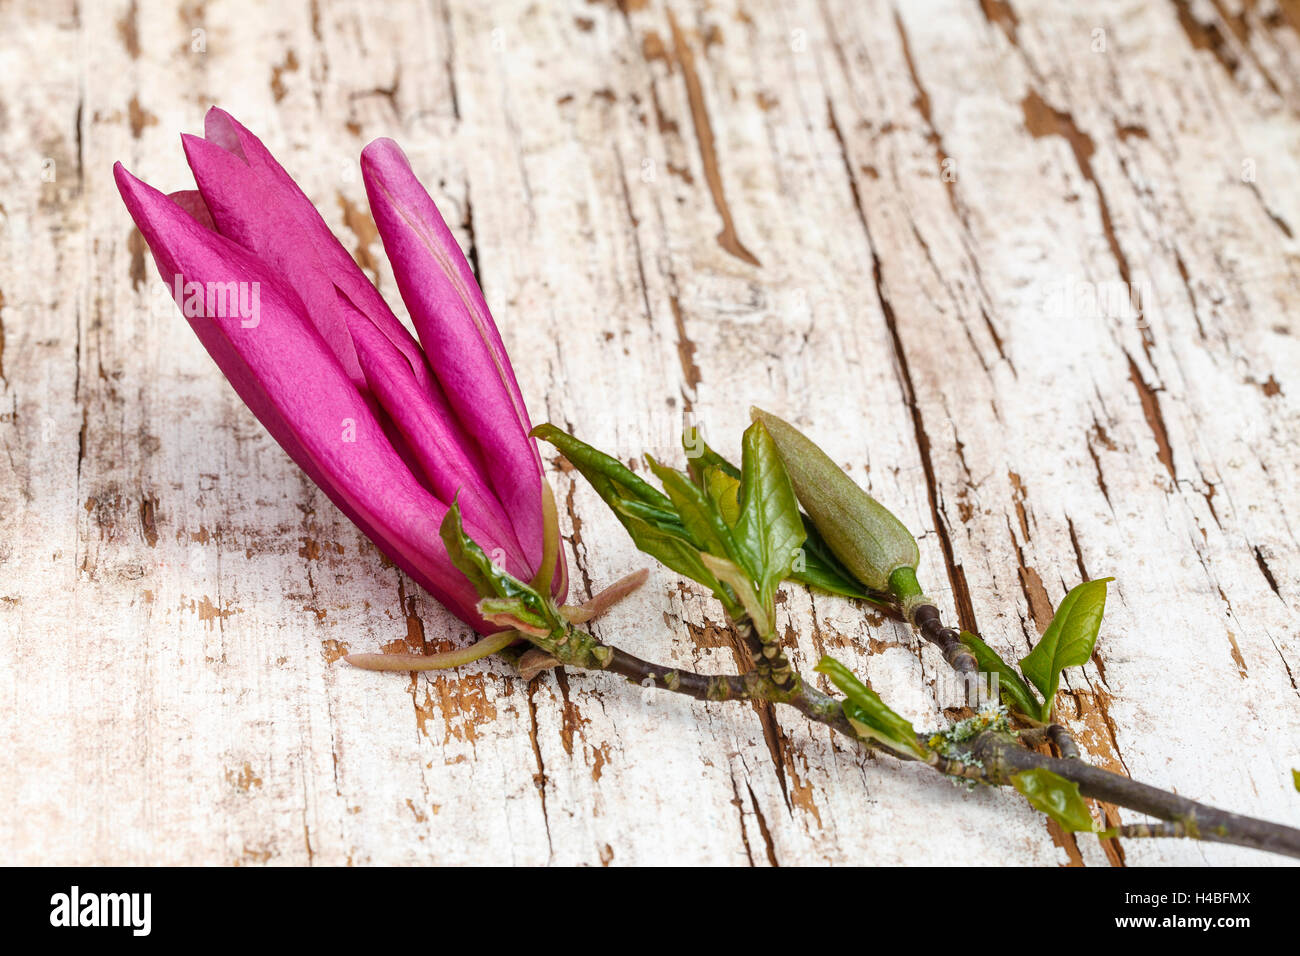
(1146, 830)
(748, 686)
(1200, 821)
(1065, 744)
(993, 758)
(958, 655)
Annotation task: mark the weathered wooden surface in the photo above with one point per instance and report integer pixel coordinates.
(881, 221)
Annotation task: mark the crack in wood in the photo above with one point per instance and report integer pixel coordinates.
(1155, 420)
(685, 58)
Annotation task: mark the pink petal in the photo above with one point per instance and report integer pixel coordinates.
(191, 200)
(289, 377)
(445, 453)
(258, 205)
(459, 337)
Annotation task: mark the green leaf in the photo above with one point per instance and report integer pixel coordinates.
(724, 491)
(648, 514)
(1057, 797)
(1068, 640)
(868, 714)
(703, 524)
(737, 578)
(821, 569)
(769, 529)
(656, 527)
(515, 614)
(1295, 778)
(671, 547)
(700, 458)
(667, 520)
(609, 476)
(1014, 691)
(490, 581)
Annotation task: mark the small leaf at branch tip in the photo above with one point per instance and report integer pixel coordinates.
(504, 612)
(1068, 640)
(738, 580)
(768, 530)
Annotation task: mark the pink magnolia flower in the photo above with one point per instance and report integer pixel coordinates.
(392, 429)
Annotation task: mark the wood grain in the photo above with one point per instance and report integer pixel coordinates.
(890, 223)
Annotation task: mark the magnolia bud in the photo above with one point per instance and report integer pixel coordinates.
(861, 532)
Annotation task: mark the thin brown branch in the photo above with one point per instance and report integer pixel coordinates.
(1002, 758)
(995, 757)
(1065, 744)
(958, 655)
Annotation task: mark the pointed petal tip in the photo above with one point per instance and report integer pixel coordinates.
(216, 115)
(135, 192)
(222, 129)
(208, 154)
(189, 146)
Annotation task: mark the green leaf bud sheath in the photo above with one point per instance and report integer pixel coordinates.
(874, 545)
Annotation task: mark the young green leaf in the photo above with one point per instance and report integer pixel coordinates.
(493, 583)
(700, 458)
(609, 476)
(769, 529)
(819, 568)
(667, 520)
(1057, 797)
(1295, 778)
(703, 523)
(737, 578)
(515, 614)
(670, 546)
(647, 513)
(724, 492)
(1014, 691)
(868, 714)
(1068, 640)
